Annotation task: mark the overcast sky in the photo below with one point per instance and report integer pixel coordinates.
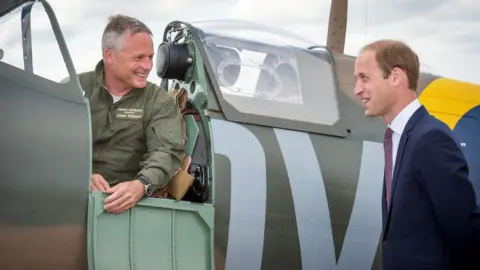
(445, 33)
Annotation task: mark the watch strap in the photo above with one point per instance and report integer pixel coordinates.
(144, 180)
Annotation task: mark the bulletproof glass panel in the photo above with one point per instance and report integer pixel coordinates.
(260, 72)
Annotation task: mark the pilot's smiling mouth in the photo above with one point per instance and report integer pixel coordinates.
(142, 75)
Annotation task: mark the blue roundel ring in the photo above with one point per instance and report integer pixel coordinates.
(467, 130)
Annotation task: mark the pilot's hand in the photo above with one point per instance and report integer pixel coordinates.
(99, 183)
(123, 196)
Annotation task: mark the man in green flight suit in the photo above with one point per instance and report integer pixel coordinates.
(136, 125)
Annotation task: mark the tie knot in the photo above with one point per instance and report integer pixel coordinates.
(388, 134)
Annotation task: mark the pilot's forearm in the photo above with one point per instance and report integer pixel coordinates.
(165, 144)
(160, 166)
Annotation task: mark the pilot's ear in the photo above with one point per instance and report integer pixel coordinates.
(107, 55)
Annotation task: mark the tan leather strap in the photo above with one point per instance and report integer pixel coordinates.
(182, 180)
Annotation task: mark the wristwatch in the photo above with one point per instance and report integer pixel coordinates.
(147, 186)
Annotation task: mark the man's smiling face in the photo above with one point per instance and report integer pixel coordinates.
(133, 62)
(372, 87)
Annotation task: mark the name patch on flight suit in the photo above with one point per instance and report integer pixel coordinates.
(129, 113)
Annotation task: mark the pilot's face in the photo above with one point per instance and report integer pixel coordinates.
(371, 87)
(133, 62)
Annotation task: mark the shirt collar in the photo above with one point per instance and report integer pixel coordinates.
(400, 121)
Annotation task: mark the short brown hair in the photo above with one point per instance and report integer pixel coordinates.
(116, 28)
(396, 54)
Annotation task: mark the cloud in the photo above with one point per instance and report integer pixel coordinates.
(280, 12)
(381, 12)
(444, 33)
(459, 10)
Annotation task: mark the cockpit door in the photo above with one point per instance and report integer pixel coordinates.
(44, 147)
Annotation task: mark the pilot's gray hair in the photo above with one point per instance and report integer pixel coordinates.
(117, 26)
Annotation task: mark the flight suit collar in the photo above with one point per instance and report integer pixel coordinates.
(99, 75)
(100, 79)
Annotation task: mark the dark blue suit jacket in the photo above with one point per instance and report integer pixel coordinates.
(429, 224)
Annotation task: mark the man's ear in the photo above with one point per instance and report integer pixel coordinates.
(107, 56)
(397, 76)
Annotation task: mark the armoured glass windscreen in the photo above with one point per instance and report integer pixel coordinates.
(259, 72)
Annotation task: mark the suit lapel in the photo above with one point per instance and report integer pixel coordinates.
(384, 204)
(398, 162)
(419, 113)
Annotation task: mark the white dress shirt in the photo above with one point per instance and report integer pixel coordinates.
(398, 125)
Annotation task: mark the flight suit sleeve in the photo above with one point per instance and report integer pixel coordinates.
(165, 147)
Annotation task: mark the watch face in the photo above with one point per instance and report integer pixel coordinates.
(148, 190)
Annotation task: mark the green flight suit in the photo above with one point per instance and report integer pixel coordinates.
(139, 135)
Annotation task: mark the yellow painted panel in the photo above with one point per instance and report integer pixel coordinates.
(449, 100)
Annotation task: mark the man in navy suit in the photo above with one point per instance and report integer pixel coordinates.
(428, 201)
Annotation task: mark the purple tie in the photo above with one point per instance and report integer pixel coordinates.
(387, 144)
